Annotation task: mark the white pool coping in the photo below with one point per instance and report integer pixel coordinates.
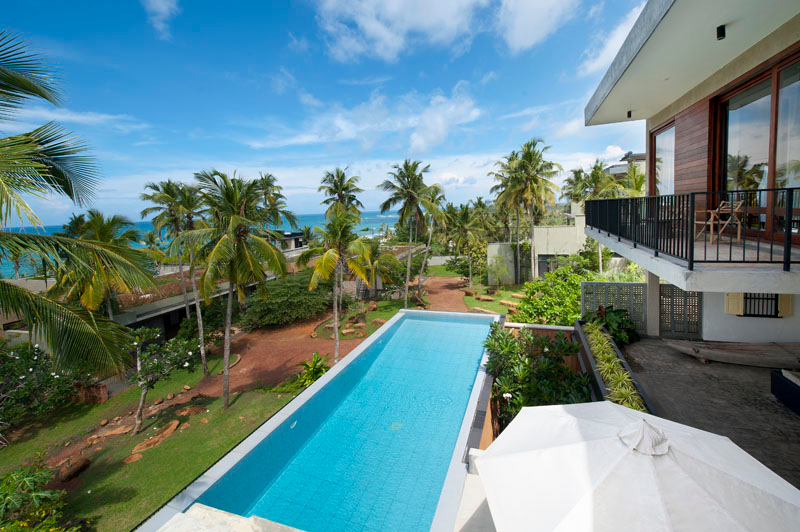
(450, 496)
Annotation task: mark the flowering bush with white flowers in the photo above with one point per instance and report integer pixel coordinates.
(30, 384)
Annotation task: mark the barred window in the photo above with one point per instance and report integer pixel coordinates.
(759, 305)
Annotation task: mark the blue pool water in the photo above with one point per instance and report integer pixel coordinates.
(370, 450)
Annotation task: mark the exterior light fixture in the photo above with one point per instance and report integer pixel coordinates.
(720, 32)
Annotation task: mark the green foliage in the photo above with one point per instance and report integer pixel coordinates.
(616, 322)
(619, 382)
(633, 273)
(313, 369)
(27, 504)
(530, 370)
(158, 360)
(30, 384)
(554, 299)
(213, 321)
(289, 300)
(589, 252)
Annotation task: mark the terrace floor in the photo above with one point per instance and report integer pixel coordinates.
(734, 401)
(759, 254)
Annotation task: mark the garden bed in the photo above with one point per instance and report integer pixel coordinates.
(600, 388)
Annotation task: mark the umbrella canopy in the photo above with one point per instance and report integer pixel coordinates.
(603, 467)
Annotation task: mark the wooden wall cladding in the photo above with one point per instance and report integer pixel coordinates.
(693, 148)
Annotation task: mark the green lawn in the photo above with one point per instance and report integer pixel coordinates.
(117, 496)
(495, 306)
(442, 271)
(386, 310)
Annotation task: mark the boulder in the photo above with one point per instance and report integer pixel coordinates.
(517, 295)
(373, 306)
(329, 326)
(482, 310)
(348, 331)
(471, 293)
(512, 310)
(484, 298)
(132, 458)
(359, 325)
(104, 422)
(378, 321)
(72, 468)
(117, 418)
(186, 387)
(170, 396)
(162, 434)
(360, 334)
(508, 303)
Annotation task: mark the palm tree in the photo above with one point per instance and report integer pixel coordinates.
(167, 196)
(341, 192)
(575, 186)
(434, 213)
(634, 182)
(533, 180)
(379, 265)
(193, 208)
(600, 184)
(234, 246)
(74, 227)
(466, 232)
(44, 161)
(407, 189)
(275, 207)
(509, 196)
(340, 248)
(97, 285)
(308, 235)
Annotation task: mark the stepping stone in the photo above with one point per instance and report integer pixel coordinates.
(360, 326)
(483, 310)
(471, 293)
(348, 331)
(378, 321)
(484, 298)
(116, 431)
(329, 326)
(132, 458)
(361, 334)
(373, 306)
(162, 434)
(508, 303)
(512, 310)
(517, 295)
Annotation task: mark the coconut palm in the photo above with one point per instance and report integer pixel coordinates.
(466, 232)
(634, 182)
(339, 249)
(167, 196)
(434, 213)
(407, 189)
(533, 174)
(379, 266)
(275, 207)
(308, 235)
(509, 196)
(235, 246)
(48, 160)
(74, 226)
(341, 193)
(97, 285)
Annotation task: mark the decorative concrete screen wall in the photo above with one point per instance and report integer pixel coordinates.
(629, 296)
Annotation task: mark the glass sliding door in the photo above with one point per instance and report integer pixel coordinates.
(747, 116)
(664, 148)
(787, 144)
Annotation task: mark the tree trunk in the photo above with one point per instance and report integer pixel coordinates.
(341, 287)
(469, 261)
(533, 253)
(226, 352)
(517, 278)
(139, 409)
(335, 316)
(424, 260)
(200, 332)
(109, 310)
(600, 256)
(408, 264)
(183, 280)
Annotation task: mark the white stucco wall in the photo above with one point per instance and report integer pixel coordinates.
(718, 326)
(502, 249)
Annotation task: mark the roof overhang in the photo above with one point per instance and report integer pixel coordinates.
(673, 47)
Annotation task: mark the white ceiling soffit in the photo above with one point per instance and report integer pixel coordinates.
(673, 47)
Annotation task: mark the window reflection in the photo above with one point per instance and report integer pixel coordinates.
(665, 161)
(748, 138)
(787, 148)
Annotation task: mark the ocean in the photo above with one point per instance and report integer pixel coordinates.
(370, 225)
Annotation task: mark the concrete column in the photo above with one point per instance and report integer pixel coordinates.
(653, 306)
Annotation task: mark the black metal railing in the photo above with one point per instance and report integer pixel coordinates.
(734, 227)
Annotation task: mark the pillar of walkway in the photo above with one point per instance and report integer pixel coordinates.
(653, 306)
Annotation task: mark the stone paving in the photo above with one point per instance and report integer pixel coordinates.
(727, 399)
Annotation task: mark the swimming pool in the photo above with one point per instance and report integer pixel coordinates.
(371, 444)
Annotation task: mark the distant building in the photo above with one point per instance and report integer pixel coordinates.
(638, 159)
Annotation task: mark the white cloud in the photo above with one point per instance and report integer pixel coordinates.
(525, 23)
(306, 98)
(123, 123)
(385, 28)
(489, 76)
(595, 10)
(602, 53)
(282, 80)
(300, 45)
(159, 14)
(373, 80)
(427, 120)
(569, 128)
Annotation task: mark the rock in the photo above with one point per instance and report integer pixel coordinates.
(378, 321)
(512, 310)
(186, 387)
(204, 420)
(130, 413)
(241, 418)
(67, 444)
(117, 418)
(162, 434)
(103, 422)
(360, 334)
(373, 306)
(329, 326)
(170, 396)
(471, 293)
(184, 426)
(348, 331)
(509, 303)
(314, 333)
(116, 431)
(91, 440)
(482, 310)
(73, 468)
(158, 401)
(484, 298)
(132, 458)
(360, 326)
(190, 411)
(517, 295)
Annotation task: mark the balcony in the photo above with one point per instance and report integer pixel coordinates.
(752, 237)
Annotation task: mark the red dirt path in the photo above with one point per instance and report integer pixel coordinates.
(444, 294)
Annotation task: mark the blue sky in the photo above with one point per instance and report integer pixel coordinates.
(163, 88)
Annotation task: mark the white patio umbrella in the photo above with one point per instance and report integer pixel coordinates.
(603, 467)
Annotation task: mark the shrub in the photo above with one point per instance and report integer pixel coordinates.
(213, 320)
(555, 299)
(313, 369)
(530, 370)
(616, 322)
(30, 384)
(619, 382)
(289, 300)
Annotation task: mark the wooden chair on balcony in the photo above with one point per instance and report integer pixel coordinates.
(726, 213)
